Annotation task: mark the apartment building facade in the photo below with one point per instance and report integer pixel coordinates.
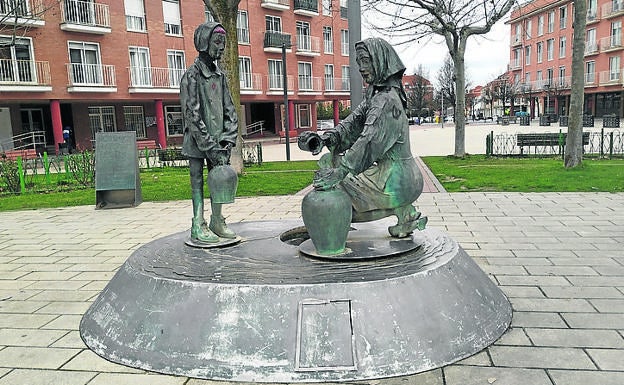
(116, 65)
(541, 56)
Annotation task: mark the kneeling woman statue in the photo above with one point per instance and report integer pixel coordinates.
(370, 157)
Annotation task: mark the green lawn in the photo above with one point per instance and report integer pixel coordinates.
(478, 173)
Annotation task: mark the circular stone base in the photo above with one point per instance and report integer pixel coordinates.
(223, 242)
(260, 311)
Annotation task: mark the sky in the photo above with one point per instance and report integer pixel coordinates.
(487, 56)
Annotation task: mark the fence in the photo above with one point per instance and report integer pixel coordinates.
(595, 144)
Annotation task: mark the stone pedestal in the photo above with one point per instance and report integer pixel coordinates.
(262, 311)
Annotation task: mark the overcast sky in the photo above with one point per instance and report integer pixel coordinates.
(487, 56)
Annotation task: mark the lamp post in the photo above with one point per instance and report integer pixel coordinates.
(547, 106)
(286, 112)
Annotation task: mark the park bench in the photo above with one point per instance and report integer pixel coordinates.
(292, 135)
(149, 144)
(29, 153)
(546, 139)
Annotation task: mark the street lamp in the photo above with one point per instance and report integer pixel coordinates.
(286, 112)
(547, 89)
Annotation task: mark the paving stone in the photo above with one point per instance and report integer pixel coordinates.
(474, 375)
(540, 357)
(64, 295)
(608, 359)
(56, 285)
(504, 270)
(595, 281)
(578, 338)
(514, 336)
(578, 377)
(609, 305)
(522, 291)
(29, 337)
(35, 357)
(17, 295)
(480, 359)
(25, 321)
(581, 292)
(46, 377)
(532, 280)
(136, 379)
(50, 275)
(594, 320)
(14, 285)
(65, 308)
(94, 276)
(70, 340)
(87, 360)
(561, 270)
(43, 268)
(520, 261)
(537, 320)
(569, 305)
(610, 270)
(10, 276)
(594, 262)
(64, 322)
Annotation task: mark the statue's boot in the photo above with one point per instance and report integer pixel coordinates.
(218, 226)
(409, 219)
(201, 233)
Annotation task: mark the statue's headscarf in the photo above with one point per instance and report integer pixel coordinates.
(387, 66)
(203, 32)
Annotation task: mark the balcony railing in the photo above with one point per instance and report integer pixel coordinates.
(344, 11)
(337, 85)
(310, 84)
(308, 45)
(308, 6)
(592, 15)
(590, 79)
(250, 82)
(591, 48)
(14, 12)
(84, 16)
(91, 75)
(276, 82)
(515, 64)
(611, 42)
(276, 39)
(24, 72)
(154, 77)
(612, 8)
(276, 4)
(611, 77)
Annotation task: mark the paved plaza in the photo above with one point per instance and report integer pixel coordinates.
(559, 257)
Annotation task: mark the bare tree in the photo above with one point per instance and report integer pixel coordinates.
(446, 85)
(226, 13)
(418, 93)
(574, 142)
(454, 20)
(17, 17)
(503, 90)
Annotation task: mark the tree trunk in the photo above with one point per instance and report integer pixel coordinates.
(574, 142)
(460, 100)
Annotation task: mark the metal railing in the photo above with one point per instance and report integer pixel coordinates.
(612, 8)
(306, 5)
(21, 9)
(24, 72)
(254, 128)
(155, 77)
(276, 82)
(96, 75)
(308, 44)
(250, 81)
(276, 39)
(310, 84)
(27, 140)
(611, 77)
(337, 84)
(591, 48)
(611, 42)
(85, 13)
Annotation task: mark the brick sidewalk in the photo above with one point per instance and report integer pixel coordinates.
(559, 258)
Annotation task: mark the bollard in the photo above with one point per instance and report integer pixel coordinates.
(601, 142)
(259, 150)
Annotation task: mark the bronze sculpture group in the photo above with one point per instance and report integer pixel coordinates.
(369, 155)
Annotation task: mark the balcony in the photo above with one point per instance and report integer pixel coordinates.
(344, 12)
(250, 83)
(278, 5)
(310, 85)
(85, 16)
(516, 40)
(306, 7)
(24, 76)
(612, 9)
(308, 45)
(335, 86)
(592, 16)
(515, 64)
(590, 80)
(611, 43)
(612, 77)
(91, 78)
(155, 80)
(23, 13)
(591, 48)
(275, 82)
(273, 41)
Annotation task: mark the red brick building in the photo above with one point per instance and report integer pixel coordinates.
(541, 56)
(115, 65)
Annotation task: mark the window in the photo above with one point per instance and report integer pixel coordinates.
(208, 15)
(540, 25)
(346, 85)
(551, 21)
(540, 51)
(527, 55)
(84, 61)
(303, 116)
(592, 6)
(135, 15)
(527, 77)
(616, 34)
(80, 12)
(344, 42)
(244, 69)
(529, 28)
(590, 41)
(614, 68)
(562, 46)
(328, 40)
(102, 119)
(134, 120)
(550, 49)
(516, 57)
(242, 27)
(344, 9)
(275, 74)
(171, 15)
(329, 77)
(140, 71)
(173, 120)
(16, 64)
(273, 23)
(518, 34)
(326, 7)
(562, 79)
(563, 17)
(549, 76)
(304, 42)
(590, 72)
(305, 76)
(177, 65)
